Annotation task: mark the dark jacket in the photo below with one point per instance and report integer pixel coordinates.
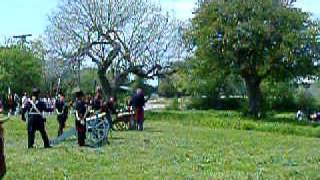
(138, 100)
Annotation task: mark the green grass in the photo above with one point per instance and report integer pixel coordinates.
(284, 123)
(176, 145)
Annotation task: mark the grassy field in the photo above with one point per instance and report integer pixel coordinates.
(176, 145)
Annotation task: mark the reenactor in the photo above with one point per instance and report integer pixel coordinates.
(80, 115)
(97, 103)
(62, 113)
(34, 109)
(138, 102)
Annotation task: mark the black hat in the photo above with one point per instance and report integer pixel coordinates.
(35, 91)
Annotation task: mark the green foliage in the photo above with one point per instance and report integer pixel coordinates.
(174, 104)
(254, 39)
(19, 69)
(89, 79)
(305, 99)
(279, 95)
(206, 103)
(201, 103)
(138, 83)
(197, 79)
(167, 87)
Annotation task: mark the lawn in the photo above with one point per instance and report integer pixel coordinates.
(176, 145)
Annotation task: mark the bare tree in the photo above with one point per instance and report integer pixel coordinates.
(121, 37)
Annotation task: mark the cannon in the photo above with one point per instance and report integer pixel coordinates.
(97, 130)
(124, 121)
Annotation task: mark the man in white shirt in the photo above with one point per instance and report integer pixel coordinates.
(24, 100)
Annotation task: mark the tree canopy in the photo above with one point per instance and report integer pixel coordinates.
(20, 69)
(121, 37)
(256, 39)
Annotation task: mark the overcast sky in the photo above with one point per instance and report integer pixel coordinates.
(30, 16)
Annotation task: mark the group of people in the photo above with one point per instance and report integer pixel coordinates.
(309, 115)
(99, 105)
(15, 104)
(34, 109)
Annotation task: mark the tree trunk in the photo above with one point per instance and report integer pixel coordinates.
(106, 87)
(254, 95)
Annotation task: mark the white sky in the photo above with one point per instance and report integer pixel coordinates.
(30, 16)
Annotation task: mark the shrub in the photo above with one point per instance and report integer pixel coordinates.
(205, 103)
(174, 104)
(305, 100)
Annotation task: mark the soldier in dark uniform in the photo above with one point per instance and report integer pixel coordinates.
(62, 113)
(36, 121)
(80, 122)
(138, 102)
(109, 108)
(97, 103)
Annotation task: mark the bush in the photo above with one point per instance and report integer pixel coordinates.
(167, 88)
(205, 103)
(278, 96)
(305, 100)
(174, 104)
(198, 103)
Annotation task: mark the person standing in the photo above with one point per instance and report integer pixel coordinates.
(24, 100)
(80, 115)
(97, 103)
(109, 108)
(3, 168)
(36, 121)
(138, 103)
(62, 113)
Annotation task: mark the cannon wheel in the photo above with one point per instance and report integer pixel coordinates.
(120, 126)
(98, 132)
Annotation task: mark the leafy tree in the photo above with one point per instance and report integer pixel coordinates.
(121, 37)
(89, 79)
(167, 87)
(255, 39)
(279, 95)
(19, 69)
